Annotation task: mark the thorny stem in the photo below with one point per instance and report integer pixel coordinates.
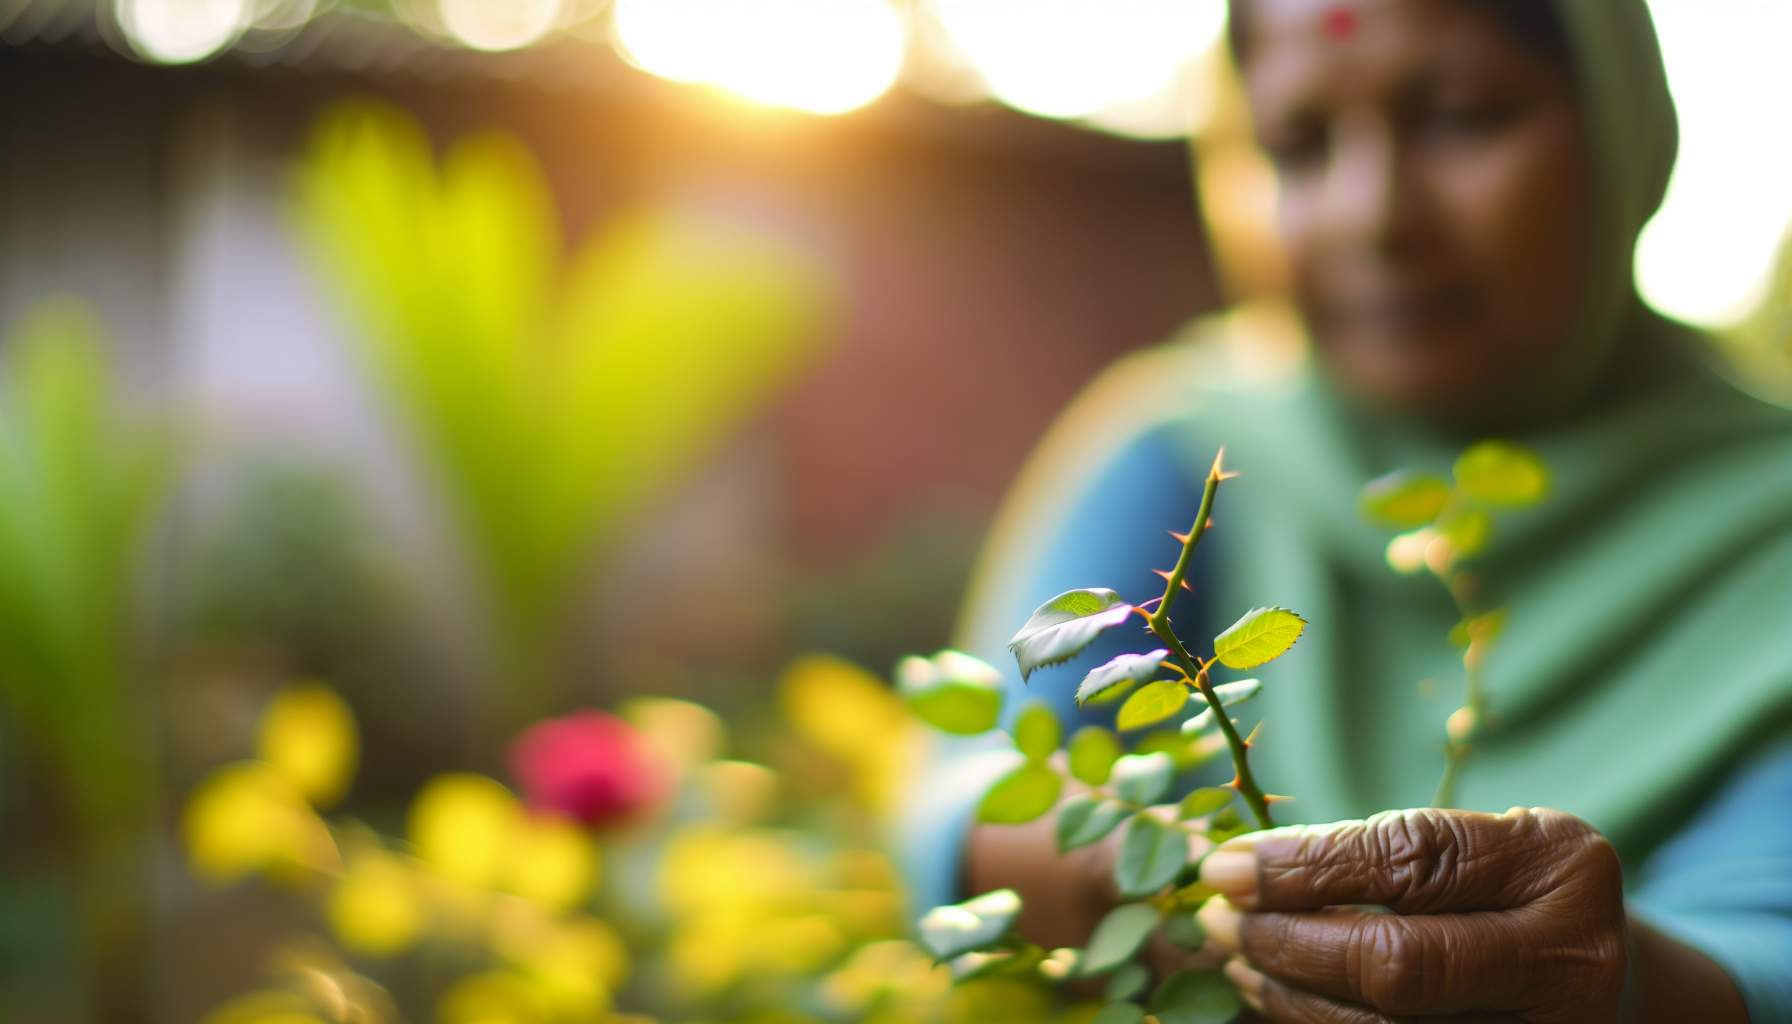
(1159, 621)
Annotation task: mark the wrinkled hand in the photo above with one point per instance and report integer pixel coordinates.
(1508, 917)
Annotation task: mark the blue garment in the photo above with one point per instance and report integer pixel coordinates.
(1722, 883)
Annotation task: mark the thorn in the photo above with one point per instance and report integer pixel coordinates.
(1234, 783)
(1209, 522)
(1181, 538)
(1275, 798)
(1162, 574)
(1252, 738)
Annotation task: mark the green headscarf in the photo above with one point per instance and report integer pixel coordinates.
(1648, 646)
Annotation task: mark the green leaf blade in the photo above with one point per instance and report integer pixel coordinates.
(1036, 731)
(1404, 500)
(952, 692)
(1087, 819)
(1141, 778)
(1152, 704)
(1151, 855)
(1093, 751)
(1203, 802)
(1195, 997)
(1062, 627)
(1113, 678)
(974, 925)
(1022, 795)
(1259, 636)
(1230, 695)
(1119, 935)
(1502, 473)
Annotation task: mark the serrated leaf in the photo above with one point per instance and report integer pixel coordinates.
(1151, 855)
(952, 691)
(1231, 695)
(976, 924)
(1021, 796)
(1142, 778)
(1119, 1013)
(1126, 983)
(1260, 636)
(1117, 938)
(1195, 997)
(1060, 628)
(1183, 930)
(1404, 499)
(1152, 704)
(1087, 819)
(1125, 672)
(1502, 473)
(1203, 802)
(1093, 751)
(1036, 731)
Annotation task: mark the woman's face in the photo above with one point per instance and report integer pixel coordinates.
(1434, 186)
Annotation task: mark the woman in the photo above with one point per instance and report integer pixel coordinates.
(1461, 183)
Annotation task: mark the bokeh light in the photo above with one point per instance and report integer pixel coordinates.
(1706, 256)
(182, 31)
(510, 25)
(1077, 58)
(825, 58)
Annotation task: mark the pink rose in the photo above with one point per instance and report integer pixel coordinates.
(590, 766)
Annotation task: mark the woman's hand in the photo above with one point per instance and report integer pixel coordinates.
(1494, 917)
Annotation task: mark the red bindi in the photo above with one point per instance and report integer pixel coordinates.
(1340, 22)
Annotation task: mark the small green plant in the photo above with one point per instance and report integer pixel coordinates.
(959, 694)
(1447, 524)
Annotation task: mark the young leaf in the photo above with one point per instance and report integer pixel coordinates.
(1231, 695)
(1142, 778)
(953, 692)
(1124, 672)
(1195, 997)
(1151, 854)
(1203, 802)
(1118, 937)
(1119, 1013)
(1183, 930)
(1466, 533)
(1059, 964)
(1036, 731)
(1060, 628)
(1502, 474)
(996, 961)
(976, 924)
(1127, 982)
(1261, 635)
(1152, 704)
(1087, 819)
(1404, 499)
(1484, 628)
(1093, 751)
(1021, 796)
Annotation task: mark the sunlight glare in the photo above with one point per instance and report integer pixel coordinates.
(1076, 58)
(1706, 255)
(182, 31)
(511, 25)
(822, 56)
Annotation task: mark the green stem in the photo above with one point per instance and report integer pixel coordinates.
(1474, 695)
(1159, 620)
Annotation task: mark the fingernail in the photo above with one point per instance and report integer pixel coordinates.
(1233, 873)
(1249, 982)
(1220, 919)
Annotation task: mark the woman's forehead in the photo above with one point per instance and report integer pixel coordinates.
(1300, 45)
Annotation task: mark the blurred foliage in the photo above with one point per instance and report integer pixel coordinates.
(1762, 344)
(754, 888)
(80, 484)
(552, 396)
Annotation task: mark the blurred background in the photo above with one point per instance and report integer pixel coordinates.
(384, 381)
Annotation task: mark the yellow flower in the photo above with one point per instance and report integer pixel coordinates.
(308, 734)
(463, 826)
(271, 1006)
(851, 715)
(375, 907)
(246, 818)
(551, 861)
